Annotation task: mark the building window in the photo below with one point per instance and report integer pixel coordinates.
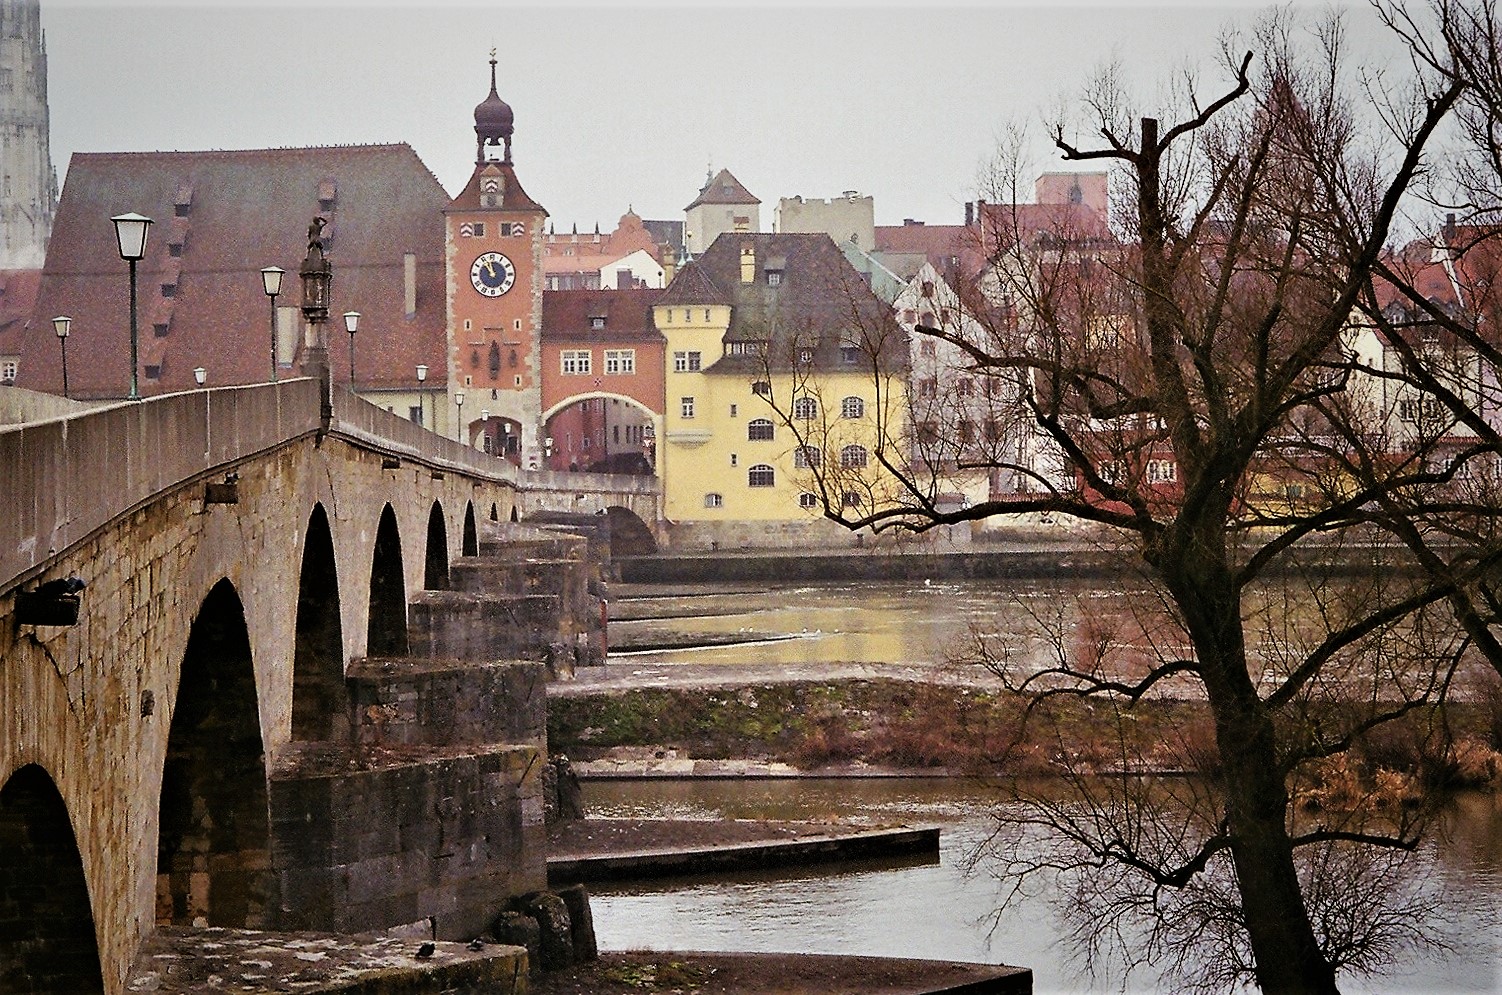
(620, 360)
(759, 430)
(807, 500)
(169, 290)
(414, 414)
(807, 457)
(752, 347)
(597, 322)
(761, 388)
(8, 370)
(1162, 471)
(159, 329)
(175, 249)
(850, 355)
(686, 407)
(686, 362)
(577, 361)
(706, 316)
(761, 475)
(964, 387)
(965, 431)
(806, 408)
(853, 456)
(713, 500)
(852, 407)
(735, 460)
(927, 348)
(928, 388)
(153, 372)
(774, 277)
(734, 410)
(928, 432)
(805, 356)
(851, 499)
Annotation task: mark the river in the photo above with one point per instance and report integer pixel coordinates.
(937, 910)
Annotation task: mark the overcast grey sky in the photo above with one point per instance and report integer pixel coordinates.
(617, 105)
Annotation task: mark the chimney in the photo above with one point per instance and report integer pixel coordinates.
(748, 262)
(409, 283)
(969, 213)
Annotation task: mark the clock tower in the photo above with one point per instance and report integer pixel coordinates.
(493, 264)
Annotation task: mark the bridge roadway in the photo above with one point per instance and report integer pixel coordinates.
(250, 525)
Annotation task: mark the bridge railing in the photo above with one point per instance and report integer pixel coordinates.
(63, 478)
(362, 422)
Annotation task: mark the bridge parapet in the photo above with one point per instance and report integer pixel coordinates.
(71, 475)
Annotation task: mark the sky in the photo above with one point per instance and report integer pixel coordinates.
(623, 105)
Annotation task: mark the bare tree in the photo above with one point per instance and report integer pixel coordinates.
(1201, 372)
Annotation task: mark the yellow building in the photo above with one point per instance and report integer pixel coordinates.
(784, 381)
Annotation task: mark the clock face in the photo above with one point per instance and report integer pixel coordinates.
(492, 274)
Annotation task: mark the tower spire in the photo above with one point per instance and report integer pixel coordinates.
(493, 120)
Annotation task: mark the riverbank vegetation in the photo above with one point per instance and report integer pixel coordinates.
(845, 727)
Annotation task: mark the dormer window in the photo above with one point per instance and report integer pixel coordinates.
(597, 321)
(328, 195)
(774, 277)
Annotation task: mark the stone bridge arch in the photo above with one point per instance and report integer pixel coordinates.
(629, 534)
(471, 534)
(214, 828)
(435, 571)
(386, 620)
(318, 655)
(48, 945)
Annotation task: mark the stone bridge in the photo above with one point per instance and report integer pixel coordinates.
(302, 690)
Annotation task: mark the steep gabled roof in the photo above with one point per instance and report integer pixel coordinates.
(220, 217)
(723, 188)
(693, 285)
(513, 197)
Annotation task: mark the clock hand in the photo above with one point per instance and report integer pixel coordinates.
(490, 267)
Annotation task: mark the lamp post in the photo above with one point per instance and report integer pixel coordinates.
(271, 282)
(485, 429)
(459, 403)
(351, 323)
(422, 376)
(62, 324)
(130, 235)
(200, 375)
(317, 275)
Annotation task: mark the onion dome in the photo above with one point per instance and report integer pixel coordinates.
(493, 120)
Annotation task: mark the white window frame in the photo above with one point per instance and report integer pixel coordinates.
(853, 407)
(761, 475)
(576, 362)
(620, 361)
(685, 407)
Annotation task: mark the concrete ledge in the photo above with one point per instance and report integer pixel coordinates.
(878, 843)
(248, 962)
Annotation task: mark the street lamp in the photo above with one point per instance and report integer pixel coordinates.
(271, 282)
(200, 374)
(485, 429)
(459, 402)
(130, 234)
(61, 325)
(351, 323)
(422, 376)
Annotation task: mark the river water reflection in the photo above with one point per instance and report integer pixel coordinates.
(944, 912)
(933, 911)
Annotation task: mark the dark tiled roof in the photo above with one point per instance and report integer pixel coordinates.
(820, 302)
(249, 209)
(692, 285)
(570, 314)
(723, 188)
(18, 292)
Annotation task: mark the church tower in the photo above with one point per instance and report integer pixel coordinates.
(493, 256)
(28, 198)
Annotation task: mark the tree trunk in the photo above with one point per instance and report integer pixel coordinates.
(1285, 952)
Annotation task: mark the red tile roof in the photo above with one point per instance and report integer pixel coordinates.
(570, 314)
(18, 292)
(249, 209)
